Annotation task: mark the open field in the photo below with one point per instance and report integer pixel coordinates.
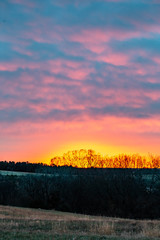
(36, 224)
(19, 174)
(147, 174)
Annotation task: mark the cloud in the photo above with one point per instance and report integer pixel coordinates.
(59, 95)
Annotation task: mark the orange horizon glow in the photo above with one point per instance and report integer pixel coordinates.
(110, 135)
(41, 146)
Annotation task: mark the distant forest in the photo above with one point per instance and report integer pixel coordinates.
(85, 159)
(127, 193)
(24, 167)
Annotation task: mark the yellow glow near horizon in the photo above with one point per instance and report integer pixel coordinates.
(97, 147)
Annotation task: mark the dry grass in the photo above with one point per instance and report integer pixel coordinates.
(35, 224)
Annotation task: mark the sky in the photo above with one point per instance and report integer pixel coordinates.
(79, 74)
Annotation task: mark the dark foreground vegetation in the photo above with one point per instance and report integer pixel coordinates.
(128, 193)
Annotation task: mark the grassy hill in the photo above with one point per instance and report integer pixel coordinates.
(36, 224)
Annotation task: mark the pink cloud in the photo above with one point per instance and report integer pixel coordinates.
(95, 48)
(71, 69)
(90, 36)
(156, 59)
(118, 59)
(42, 36)
(75, 71)
(109, 97)
(153, 95)
(13, 66)
(99, 36)
(60, 81)
(141, 70)
(94, 39)
(22, 50)
(81, 74)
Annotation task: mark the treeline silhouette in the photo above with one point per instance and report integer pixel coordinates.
(129, 193)
(89, 158)
(23, 166)
(84, 159)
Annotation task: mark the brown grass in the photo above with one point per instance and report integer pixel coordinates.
(20, 223)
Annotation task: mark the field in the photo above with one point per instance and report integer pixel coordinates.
(36, 224)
